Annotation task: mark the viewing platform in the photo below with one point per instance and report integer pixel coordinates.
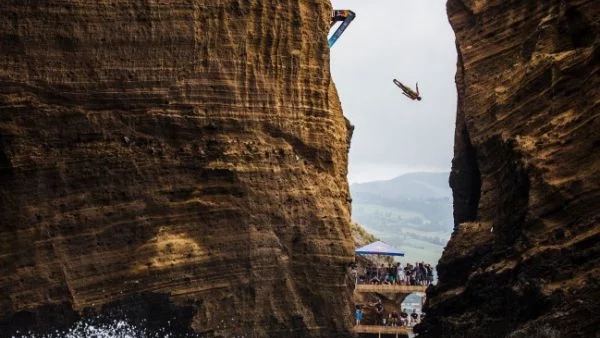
(383, 330)
(382, 288)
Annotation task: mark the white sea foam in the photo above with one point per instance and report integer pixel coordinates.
(111, 329)
(114, 329)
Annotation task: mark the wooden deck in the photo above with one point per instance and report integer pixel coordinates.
(382, 330)
(389, 288)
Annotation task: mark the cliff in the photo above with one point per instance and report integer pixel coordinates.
(523, 260)
(179, 161)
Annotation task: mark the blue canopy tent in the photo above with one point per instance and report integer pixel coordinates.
(379, 248)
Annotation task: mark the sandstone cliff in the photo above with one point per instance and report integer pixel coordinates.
(173, 160)
(524, 257)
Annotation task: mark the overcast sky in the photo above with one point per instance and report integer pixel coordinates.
(412, 41)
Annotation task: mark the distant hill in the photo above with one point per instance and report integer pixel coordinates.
(408, 186)
(412, 212)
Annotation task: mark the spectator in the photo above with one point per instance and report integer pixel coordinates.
(364, 278)
(394, 316)
(391, 275)
(413, 275)
(429, 274)
(404, 317)
(354, 273)
(390, 321)
(359, 314)
(414, 318)
(400, 275)
(379, 311)
(381, 273)
(418, 273)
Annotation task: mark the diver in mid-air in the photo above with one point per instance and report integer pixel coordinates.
(407, 91)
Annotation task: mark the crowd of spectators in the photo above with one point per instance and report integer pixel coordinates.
(418, 274)
(394, 318)
(392, 274)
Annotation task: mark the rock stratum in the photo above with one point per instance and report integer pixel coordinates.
(524, 259)
(180, 161)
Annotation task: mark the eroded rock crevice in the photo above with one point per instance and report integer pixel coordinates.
(465, 177)
(5, 166)
(465, 181)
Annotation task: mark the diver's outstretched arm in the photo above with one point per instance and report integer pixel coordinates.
(418, 89)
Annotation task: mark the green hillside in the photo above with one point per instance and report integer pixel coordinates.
(412, 212)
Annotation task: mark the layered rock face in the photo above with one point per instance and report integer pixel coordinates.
(179, 161)
(524, 257)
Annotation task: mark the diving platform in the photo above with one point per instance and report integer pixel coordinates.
(383, 330)
(382, 288)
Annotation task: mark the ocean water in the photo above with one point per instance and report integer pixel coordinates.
(114, 329)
